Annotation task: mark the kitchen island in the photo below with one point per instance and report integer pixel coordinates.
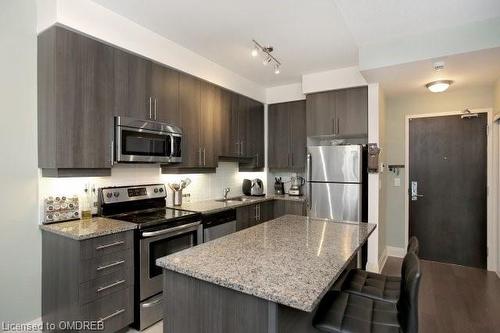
(268, 278)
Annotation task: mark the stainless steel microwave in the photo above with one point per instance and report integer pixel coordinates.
(145, 141)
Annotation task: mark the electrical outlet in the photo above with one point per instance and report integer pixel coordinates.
(397, 182)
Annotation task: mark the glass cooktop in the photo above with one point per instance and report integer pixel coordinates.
(156, 216)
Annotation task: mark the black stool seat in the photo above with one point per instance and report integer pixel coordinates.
(350, 313)
(377, 286)
(344, 312)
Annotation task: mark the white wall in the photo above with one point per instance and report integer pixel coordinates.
(20, 244)
(101, 23)
(382, 242)
(333, 79)
(285, 93)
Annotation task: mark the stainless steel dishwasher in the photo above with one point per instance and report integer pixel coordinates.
(218, 224)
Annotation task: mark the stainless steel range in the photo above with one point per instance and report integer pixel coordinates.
(161, 231)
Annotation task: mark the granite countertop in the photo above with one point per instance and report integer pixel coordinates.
(91, 228)
(213, 206)
(292, 260)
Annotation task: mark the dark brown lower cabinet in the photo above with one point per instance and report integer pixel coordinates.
(88, 280)
(285, 207)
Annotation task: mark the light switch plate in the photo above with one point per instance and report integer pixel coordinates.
(397, 182)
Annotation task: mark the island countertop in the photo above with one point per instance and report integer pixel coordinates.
(292, 260)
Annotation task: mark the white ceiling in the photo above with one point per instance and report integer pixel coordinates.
(373, 21)
(469, 69)
(308, 36)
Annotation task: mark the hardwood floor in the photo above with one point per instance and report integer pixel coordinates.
(455, 299)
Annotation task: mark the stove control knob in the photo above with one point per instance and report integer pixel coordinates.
(109, 194)
(156, 190)
(161, 189)
(116, 194)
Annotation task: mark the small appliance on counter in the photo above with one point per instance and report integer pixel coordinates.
(296, 186)
(279, 186)
(254, 187)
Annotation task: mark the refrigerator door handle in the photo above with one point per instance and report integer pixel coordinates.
(308, 179)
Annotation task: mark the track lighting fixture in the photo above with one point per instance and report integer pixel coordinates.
(268, 58)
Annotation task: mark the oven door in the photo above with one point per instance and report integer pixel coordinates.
(160, 243)
(143, 145)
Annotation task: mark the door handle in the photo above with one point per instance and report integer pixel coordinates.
(414, 191)
(338, 126)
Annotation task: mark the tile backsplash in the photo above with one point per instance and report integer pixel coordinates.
(202, 187)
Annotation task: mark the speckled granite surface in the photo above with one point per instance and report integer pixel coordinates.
(212, 206)
(85, 229)
(292, 260)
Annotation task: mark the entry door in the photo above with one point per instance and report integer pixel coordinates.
(448, 209)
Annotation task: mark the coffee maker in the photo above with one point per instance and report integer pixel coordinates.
(296, 186)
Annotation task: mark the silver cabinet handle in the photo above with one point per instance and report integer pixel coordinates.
(114, 314)
(114, 284)
(338, 126)
(156, 109)
(112, 152)
(169, 230)
(199, 156)
(151, 304)
(113, 264)
(333, 125)
(105, 246)
(150, 112)
(204, 157)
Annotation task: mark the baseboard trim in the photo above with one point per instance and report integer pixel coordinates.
(372, 267)
(382, 260)
(397, 252)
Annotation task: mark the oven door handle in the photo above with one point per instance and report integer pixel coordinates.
(169, 230)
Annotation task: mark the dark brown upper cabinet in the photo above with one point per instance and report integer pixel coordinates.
(144, 89)
(75, 104)
(339, 113)
(287, 136)
(210, 123)
(228, 139)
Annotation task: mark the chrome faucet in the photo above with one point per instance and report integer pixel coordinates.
(226, 191)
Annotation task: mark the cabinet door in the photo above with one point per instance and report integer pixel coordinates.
(210, 106)
(84, 92)
(165, 94)
(279, 136)
(255, 134)
(351, 108)
(228, 144)
(298, 138)
(295, 207)
(245, 217)
(243, 124)
(266, 211)
(132, 86)
(189, 107)
(279, 208)
(321, 113)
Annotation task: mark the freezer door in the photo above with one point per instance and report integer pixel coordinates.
(335, 201)
(335, 164)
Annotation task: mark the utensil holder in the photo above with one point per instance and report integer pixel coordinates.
(177, 198)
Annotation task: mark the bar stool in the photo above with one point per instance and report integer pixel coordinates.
(377, 286)
(345, 312)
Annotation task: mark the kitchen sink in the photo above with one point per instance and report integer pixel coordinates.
(235, 199)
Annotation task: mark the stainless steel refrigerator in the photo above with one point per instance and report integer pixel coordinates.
(336, 181)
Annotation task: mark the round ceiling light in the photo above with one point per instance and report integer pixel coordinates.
(438, 86)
